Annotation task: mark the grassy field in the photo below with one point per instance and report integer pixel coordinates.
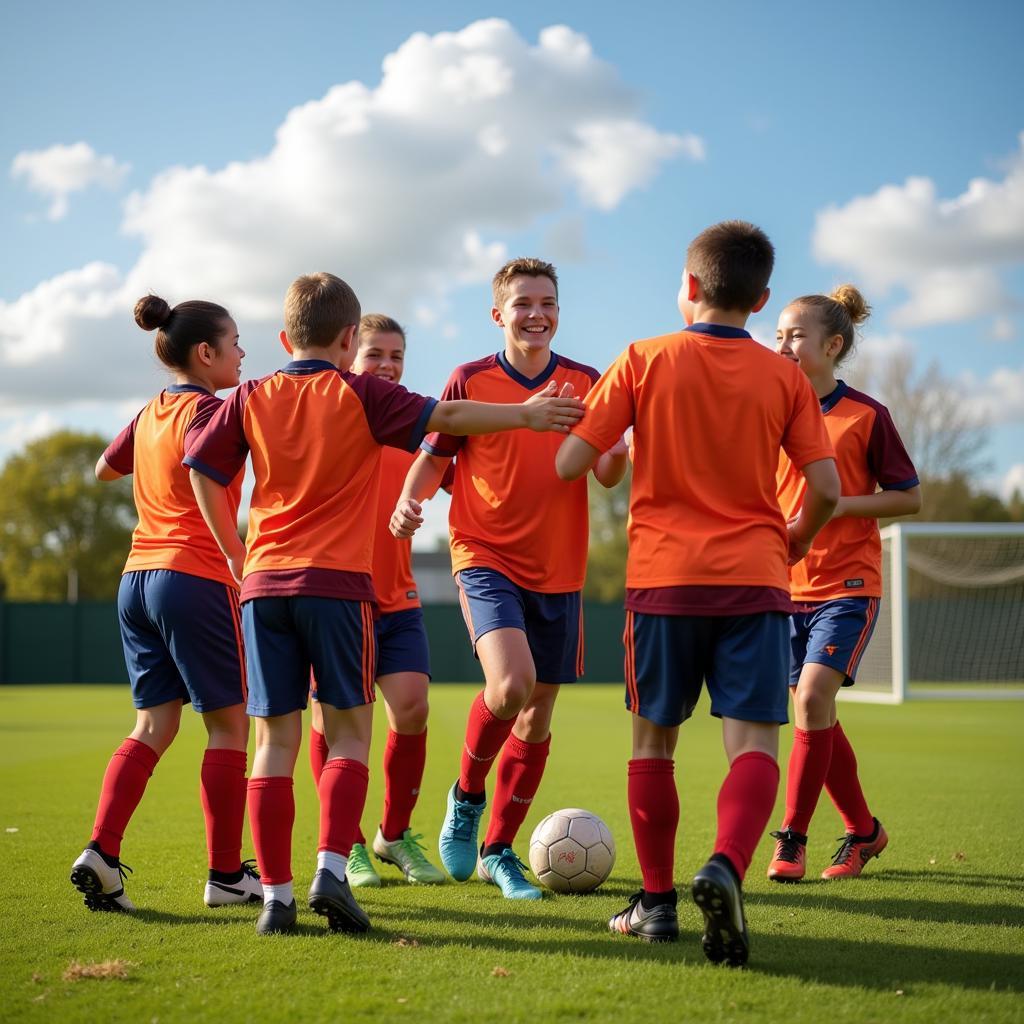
(934, 931)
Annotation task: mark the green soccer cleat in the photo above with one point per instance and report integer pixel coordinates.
(507, 872)
(359, 871)
(407, 854)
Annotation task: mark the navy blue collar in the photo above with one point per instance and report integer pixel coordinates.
(180, 389)
(831, 400)
(528, 382)
(719, 331)
(308, 366)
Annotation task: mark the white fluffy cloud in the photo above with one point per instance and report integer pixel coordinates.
(1013, 481)
(407, 189)
(948, 254)
(59, 171)
(999, 397)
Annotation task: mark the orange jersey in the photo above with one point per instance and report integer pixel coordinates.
(172, 533)
(710, 410)
(510, 511)
(846, 557)
(392, 558)
(315, 435)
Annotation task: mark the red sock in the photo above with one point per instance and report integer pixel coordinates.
(808, 766)
(519, 773)
(342, 796)
(745, 803)
(124, 782)
(654, 813)
(404, 759)
(843, 786)
(271, 817)
(222, 792)
(485, 736)
(318, 753)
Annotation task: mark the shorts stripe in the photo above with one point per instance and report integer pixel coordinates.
(466, 616)
(580, 645)
(236, 619)
(629, 643)
(369, 651)
(858, 651)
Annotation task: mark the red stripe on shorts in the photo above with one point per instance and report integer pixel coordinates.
(858, 651)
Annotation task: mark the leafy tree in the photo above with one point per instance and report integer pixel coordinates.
(606, 564)
(56, 518)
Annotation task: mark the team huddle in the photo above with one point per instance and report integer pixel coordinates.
(754, 569)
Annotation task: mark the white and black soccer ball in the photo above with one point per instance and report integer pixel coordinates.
(572, 850)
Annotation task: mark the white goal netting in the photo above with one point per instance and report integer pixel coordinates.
(952, 617)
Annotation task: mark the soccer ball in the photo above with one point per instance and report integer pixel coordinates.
(572, 851)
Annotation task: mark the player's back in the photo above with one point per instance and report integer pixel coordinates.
(171, 533)
(712, 410)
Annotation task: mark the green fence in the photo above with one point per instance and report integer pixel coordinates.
(80, 643)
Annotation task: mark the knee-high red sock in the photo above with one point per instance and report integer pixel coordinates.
(124, 782)
(654, 814)
(808, 766)
(519, 773)
(222, 792)
(318, 754)
(404, 759)
(843, 786)
(485, 736)
(342, 796)
(745, 804)
(271, 817)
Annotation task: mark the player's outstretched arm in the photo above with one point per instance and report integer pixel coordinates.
(547, 410)
(106, 472)
(575, 458)
(819, 503)
(881, 504)
(611, 467)
(421, 483)
(215, 506)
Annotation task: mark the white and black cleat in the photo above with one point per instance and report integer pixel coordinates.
(246, 889)
(100, 884)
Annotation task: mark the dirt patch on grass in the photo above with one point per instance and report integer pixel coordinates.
(109, 970)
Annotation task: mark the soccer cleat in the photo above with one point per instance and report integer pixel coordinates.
(507, 872)
(407, 855)
(248, 888)
(457, 841)
(855, 852)
(101, 884)
(659, 924)
(790, 861)
(277, 918)
(332, 898)
(359, 871)
(717, 893)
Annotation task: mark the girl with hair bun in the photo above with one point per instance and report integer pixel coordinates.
(837, 586)
(178, 612)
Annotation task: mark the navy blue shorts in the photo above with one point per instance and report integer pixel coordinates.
(553, 623)
(833, 633)
(182, 639)
(287, 638)
(743, 659)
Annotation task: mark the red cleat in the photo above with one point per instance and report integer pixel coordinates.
(790, 861)
(855, 852)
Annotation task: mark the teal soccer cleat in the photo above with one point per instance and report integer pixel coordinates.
(507, 872)
(457, 841)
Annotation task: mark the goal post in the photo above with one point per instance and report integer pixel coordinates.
(951, 625)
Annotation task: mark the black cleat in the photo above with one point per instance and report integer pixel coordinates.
(659, 924)
(277, 918)
(717, 893)
(332, 898)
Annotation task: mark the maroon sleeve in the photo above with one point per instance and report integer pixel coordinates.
(397, 417)
(887, 457)
(220, 451)
(448, 480)
(448, 445)
(202, 413)
(120, 453)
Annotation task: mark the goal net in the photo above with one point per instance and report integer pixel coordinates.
(952, 618)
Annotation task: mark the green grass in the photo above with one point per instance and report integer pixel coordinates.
(932, 932)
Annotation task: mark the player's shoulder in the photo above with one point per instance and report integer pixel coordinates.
(565, 363)
(464, 371)
(869, 404)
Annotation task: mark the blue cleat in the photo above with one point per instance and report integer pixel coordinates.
(506, 871)
(457, 841)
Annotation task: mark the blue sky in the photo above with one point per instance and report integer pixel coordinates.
(681, 116)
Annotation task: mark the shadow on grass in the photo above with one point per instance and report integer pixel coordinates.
(949, 876)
